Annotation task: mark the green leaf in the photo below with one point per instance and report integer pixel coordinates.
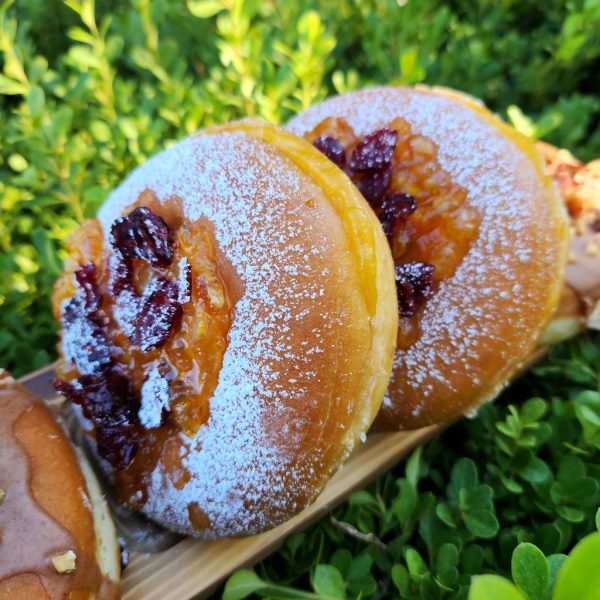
(413, 467)
(328, 581)
(446, 562)
(555, 563)
(242, 584)
(415, 563)
(493, 587)
(17, 162)
(204, 9)
(87, 13)
(579, 576)
(547, 538)
(598, 519)
(533, 410)
(401, 579)
(36, 101)
(361, 566)
(530, 571)
(520, 121)
(481, 523)
(406, 502)
(11, 87)
(47, 253)
(463, 476)
(444, 513)
(342, 561)
(536, 471)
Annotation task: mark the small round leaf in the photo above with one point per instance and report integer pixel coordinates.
(530, 570)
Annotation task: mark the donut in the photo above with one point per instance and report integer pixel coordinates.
(478, 235)
(57, 539)
(226, 329)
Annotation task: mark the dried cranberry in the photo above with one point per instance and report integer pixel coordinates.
(84, 340)
(414, 284)
(374, 185)
(116, 445)
(108, 402)
(332, 149)
(374, 150)
(158, 314)
(395, 210)
(87, 281)
(143, 235)
(121, 275)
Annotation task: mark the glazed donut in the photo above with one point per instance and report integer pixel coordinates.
(226, 329)
(57, 539)
(478, 235)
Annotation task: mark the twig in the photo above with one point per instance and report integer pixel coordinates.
(368, 538)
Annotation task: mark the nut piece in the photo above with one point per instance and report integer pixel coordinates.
(2, 494)
(65, 562)
(6, 379)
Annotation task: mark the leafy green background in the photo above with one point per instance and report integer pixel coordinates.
(88, 92)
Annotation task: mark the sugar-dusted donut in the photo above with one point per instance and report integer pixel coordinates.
(226, 328)
(57, 539)
(478, 235)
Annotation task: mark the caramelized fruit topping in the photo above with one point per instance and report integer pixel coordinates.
(425, 215)
(145, 323)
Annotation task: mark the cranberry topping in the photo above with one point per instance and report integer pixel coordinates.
(414, 284)
(86, 344)
(374, 184)
(158, 313)
(108, 401)
(394, 212)
(121, 275)
(154, 315)
(103, 391)
(143, 235)
(116, 445)
(332, 149)
(374, 150)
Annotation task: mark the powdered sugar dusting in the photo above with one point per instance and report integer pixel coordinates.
(244, 466)
(78, 340)
(460, 333)
(154, 399)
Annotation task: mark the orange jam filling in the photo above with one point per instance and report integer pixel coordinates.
(180, 365)
(440, 225)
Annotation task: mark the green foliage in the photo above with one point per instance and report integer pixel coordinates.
(88, 91)
(557, 577)
(507, 492)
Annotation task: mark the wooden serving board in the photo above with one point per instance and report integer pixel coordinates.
(194, 568)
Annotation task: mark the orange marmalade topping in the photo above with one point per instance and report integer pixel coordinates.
(427, 218)
(145, 322)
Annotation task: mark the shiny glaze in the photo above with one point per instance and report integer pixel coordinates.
(46, 508)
